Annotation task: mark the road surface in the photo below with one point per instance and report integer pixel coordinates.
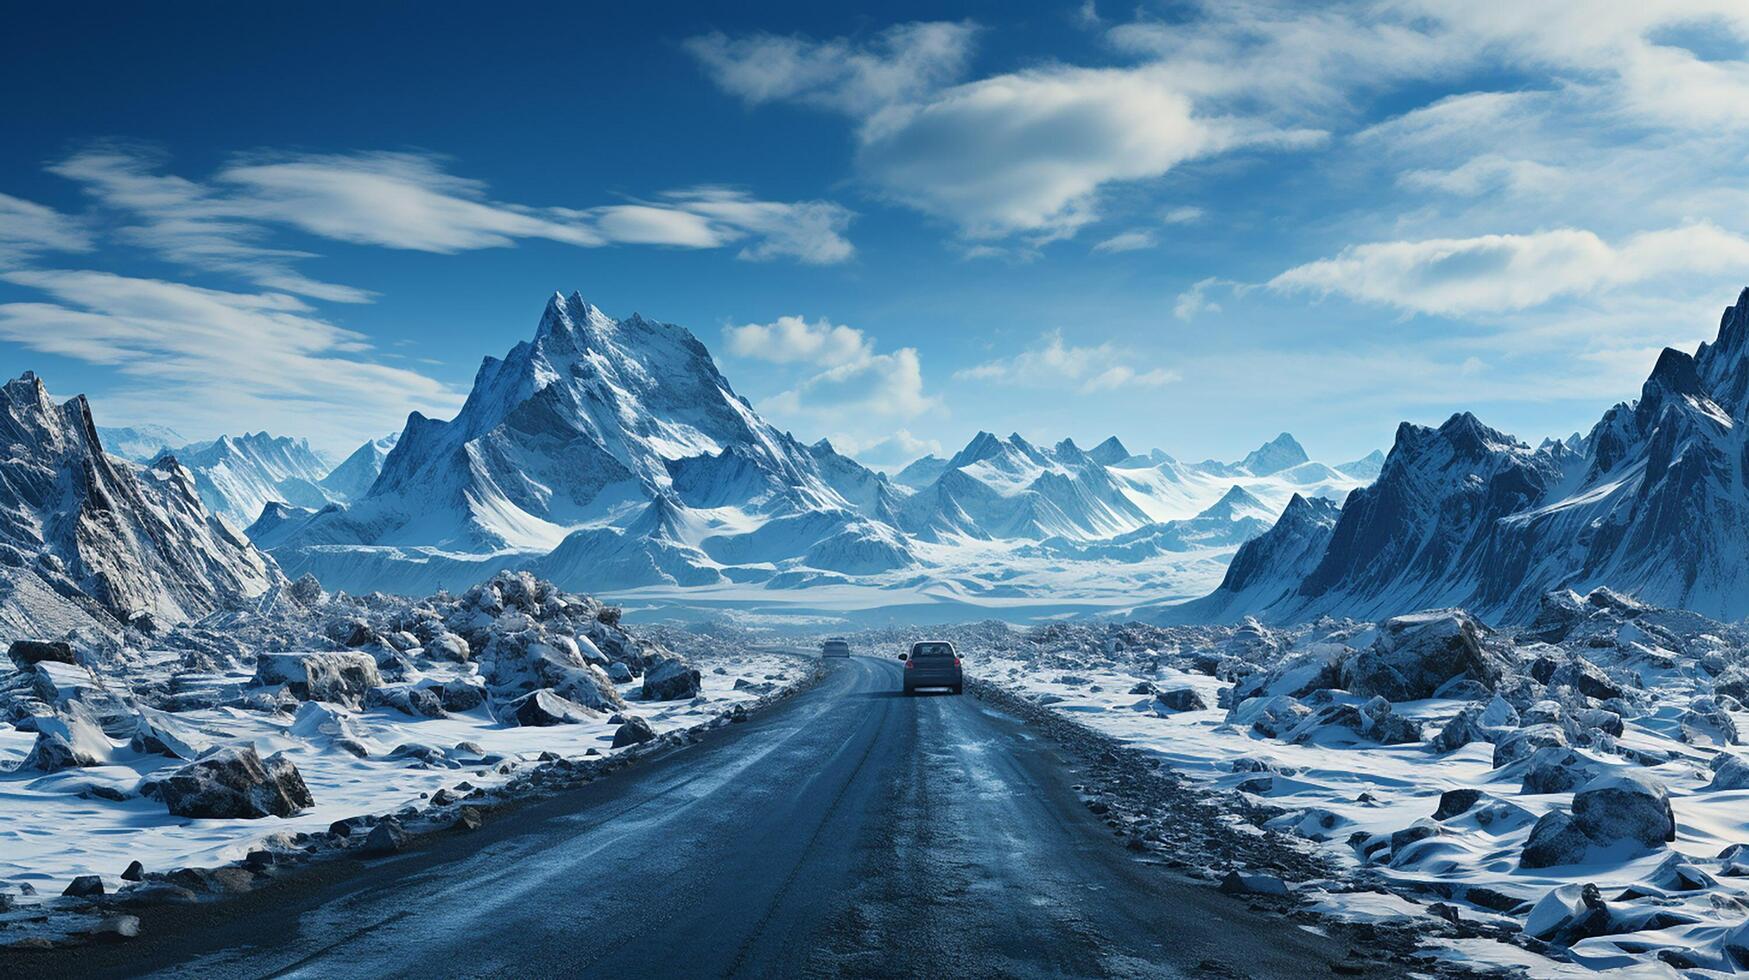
(850, 831)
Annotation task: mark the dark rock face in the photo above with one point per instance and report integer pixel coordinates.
(633, 732)
(1454, 802)
(1554, 841)
(1180, 699)
(545, 707)
(384, 839)
(1417, 654)
(235, 781)
(1628, 806)
(26, 652)
(85, 886)
(669, 678)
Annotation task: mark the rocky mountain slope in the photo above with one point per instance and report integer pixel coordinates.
(355, 474)
(1653, 501)
(91, 540)
(236, 476)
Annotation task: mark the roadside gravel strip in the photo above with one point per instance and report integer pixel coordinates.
(74, 920)
(1219, 839)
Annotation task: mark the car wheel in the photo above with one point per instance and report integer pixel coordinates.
(959, 689)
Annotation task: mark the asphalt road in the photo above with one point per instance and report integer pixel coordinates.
(848, 832)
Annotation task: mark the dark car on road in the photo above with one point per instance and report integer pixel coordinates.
(933, 663)
(835, 647)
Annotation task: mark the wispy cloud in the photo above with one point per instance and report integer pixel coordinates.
(1129, 241)
(1054, 364)
(28, 229)
(854, 76)
(1495, 273)
(408, 201)
(198, 355)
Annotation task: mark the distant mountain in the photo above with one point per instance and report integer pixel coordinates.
(140, 443)
(1653, 501)
(236, 476)
(922, 472)
(1274, 456)
(605, 453)
(1366, 467)
(89, 539)
(353, 477)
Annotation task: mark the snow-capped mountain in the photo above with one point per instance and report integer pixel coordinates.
(1653, 501)
(140, 443)
(611, 449)
(90, 539)
(236, 476)
(353, 477)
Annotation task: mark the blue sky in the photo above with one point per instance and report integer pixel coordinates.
(1189, 225)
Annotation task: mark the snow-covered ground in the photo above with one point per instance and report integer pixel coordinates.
(1387, 793)
(440, 713)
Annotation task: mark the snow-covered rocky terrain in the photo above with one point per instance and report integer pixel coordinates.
(613, 455)
(1653, 501)
(262, 726)
(1575, 787)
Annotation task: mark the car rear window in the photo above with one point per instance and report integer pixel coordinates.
(836, 645)
(931, 650)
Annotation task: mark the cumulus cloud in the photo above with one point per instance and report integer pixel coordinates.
(196, 355)
(847, 75)
(408, 201)
(888, 451)
(1496, 273)
(28, 229)
(1054, 364)
(873, 388)
(792, 339)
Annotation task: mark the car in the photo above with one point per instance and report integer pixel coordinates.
(835, 646)
(933, 663)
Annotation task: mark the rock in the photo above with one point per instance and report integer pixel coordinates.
(1453, 802)
(342, 678)
(669, 678)
(384, 839)
(461, 694)
(70, 739)
(1248, 883)
(466, 819)
(633, 732)
(408, 699)
(1520, 744)
(545, 707)
(1554, 841)
(1733, 773)
(1585, 677)
(234, 781)
(1555, 769)
(619, 673)
(1417, 831)
(1143, 687)
(24, 653)
(1416, 654)
(350, 826)
(1271, 717)
(1556, 911)
(448, 646)
(1179, 699)
(135, 872)
(160, 733)
(85, 886)
(119, 927)
(1625, 806)
(1599, 719)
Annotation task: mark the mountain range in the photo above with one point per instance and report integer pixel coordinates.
(613, 454)
(1653, 501)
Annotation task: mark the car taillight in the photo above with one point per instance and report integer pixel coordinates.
(956, 661)
(909, 664)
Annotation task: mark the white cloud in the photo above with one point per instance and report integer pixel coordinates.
(874, 388)
(1496, 273)
(406, 201)
(792, 339)
(1194, 301)
(191, 355)
(1055, 364)
(1183, 215)
(1128, 241)
(899, 63)
(1028, 152)
(1488, 172)
(888, 451)
(28, 228)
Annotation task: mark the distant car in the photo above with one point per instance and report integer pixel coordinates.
(933, 663)
(835, 647)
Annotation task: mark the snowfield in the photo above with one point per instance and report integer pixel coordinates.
(1573, 793)
(418, 703)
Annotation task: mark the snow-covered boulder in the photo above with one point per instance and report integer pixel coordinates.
(1521, 743)
(1625, 805)
(1732, 773)
(670, 678)
(1491, 722)
(70, 739)
(545, 707)
(1374, 721)
(342, 678)
(1271, 717)
(235, 781)
(515, 664)
(632, 732)
(161, 733)
(1415, 655)
(1554, 769)
(1555, 840)
(1179, 699)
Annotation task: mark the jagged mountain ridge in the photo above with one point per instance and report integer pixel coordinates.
(355, 474)
(611, 453)
(91, 539)
(236, 476)
(1652, 502)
